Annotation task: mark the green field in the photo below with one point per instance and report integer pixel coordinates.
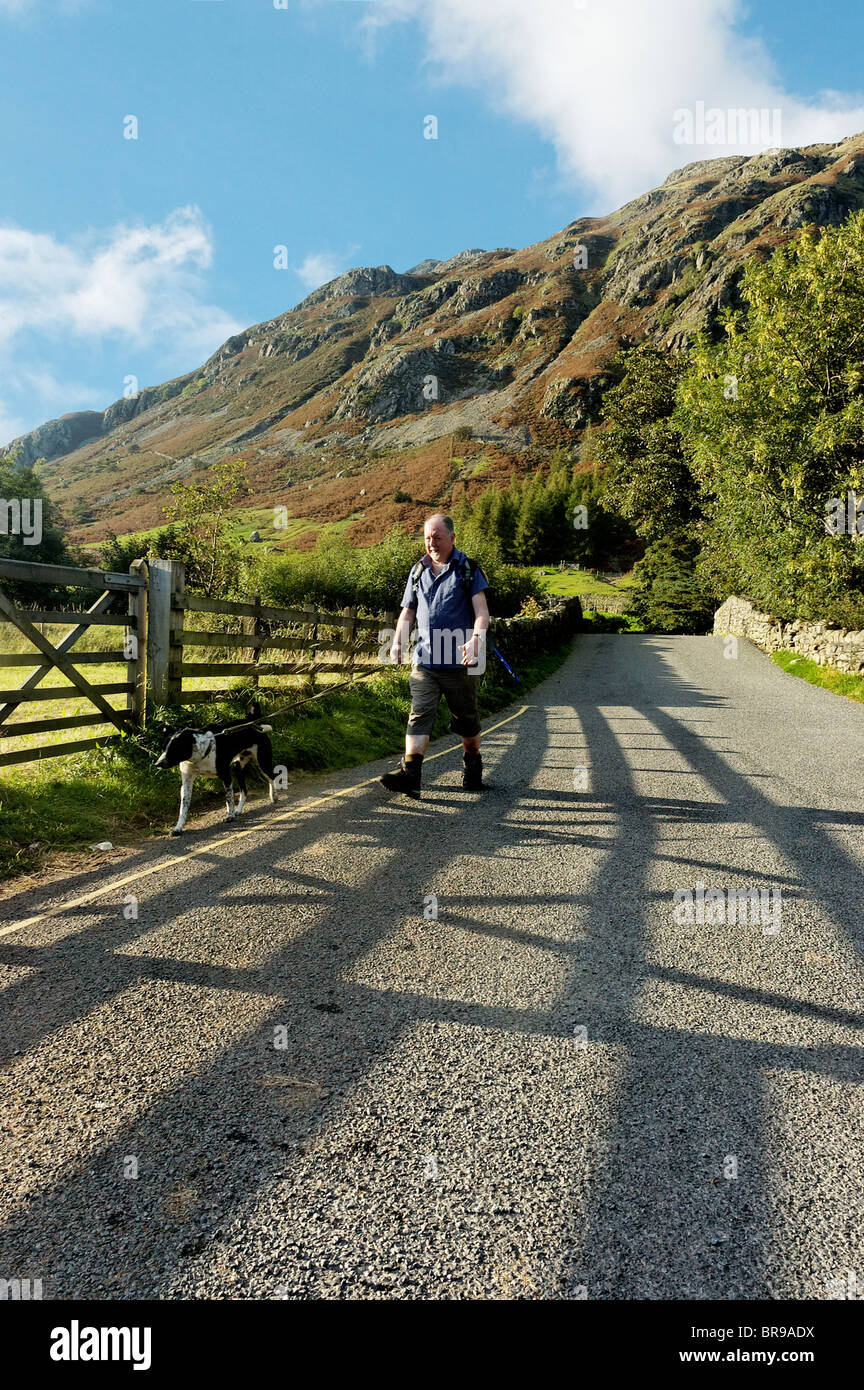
(568, 583)
(244, 521)
(241, 524)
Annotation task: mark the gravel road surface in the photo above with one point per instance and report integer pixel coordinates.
(472, 1047)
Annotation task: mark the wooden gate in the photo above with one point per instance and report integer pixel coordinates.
(114, 589)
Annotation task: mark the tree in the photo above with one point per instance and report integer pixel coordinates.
(559, 538)
(648, 478)
(605, 532)
(116, 553)
(669, 593)
(772, 417)
(533, 523)
(505, 518)
(199, 512)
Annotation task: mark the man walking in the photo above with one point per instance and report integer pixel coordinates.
(445, 594)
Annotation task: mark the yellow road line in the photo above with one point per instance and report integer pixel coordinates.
(231, 838)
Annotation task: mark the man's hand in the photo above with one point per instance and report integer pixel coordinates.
(471, 650)
(402, 635)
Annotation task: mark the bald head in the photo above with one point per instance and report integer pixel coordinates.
(439, 538)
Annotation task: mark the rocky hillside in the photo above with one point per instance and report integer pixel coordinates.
(383, 394)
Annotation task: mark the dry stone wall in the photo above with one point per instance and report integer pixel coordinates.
(827, 646)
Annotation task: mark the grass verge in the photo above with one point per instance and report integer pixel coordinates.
(841, 682)
(115, 793)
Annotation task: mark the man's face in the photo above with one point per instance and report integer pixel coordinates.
(439, 542)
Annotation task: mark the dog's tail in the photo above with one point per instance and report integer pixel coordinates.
(253, 709)
(265, 728)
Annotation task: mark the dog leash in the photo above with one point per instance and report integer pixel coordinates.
(284, 709)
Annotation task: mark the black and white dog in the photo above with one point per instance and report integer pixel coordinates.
(215, 752)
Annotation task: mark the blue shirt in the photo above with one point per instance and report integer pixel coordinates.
(445, 616)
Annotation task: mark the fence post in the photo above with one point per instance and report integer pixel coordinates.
(349, 630)
(311, 635)
(253, 626)
(178, 618)
(137, 701)
(165, 621)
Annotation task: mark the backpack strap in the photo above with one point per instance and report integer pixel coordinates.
(415, 580)
(467, 571)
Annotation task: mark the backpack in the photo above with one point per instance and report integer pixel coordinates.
(467, 570)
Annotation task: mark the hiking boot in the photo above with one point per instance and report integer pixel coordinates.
(406, 778)
(472, 772)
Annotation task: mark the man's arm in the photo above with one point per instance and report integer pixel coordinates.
(404, 623)
(471, 650)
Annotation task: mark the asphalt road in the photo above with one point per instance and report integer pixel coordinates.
(553, 1089)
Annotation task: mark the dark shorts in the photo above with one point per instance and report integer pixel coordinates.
(459, 689)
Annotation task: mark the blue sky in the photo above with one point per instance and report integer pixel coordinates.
(304, 126)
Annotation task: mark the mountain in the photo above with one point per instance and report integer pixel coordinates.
(334, 405)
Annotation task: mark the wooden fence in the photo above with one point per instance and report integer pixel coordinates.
(325, 643)
(159, 634)
(115, 589)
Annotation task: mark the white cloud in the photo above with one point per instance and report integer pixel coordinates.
(602, 81)
(142, 285)
(51, 392)
(320, 266)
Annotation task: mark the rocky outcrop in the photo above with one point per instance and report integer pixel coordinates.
(128, 407)
(377, 280)
(418, 306)
(478, 292)
(57, 437)
(407, 382)
(574, 400)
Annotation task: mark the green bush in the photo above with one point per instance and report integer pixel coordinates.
(117, 552)
(611, 622)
